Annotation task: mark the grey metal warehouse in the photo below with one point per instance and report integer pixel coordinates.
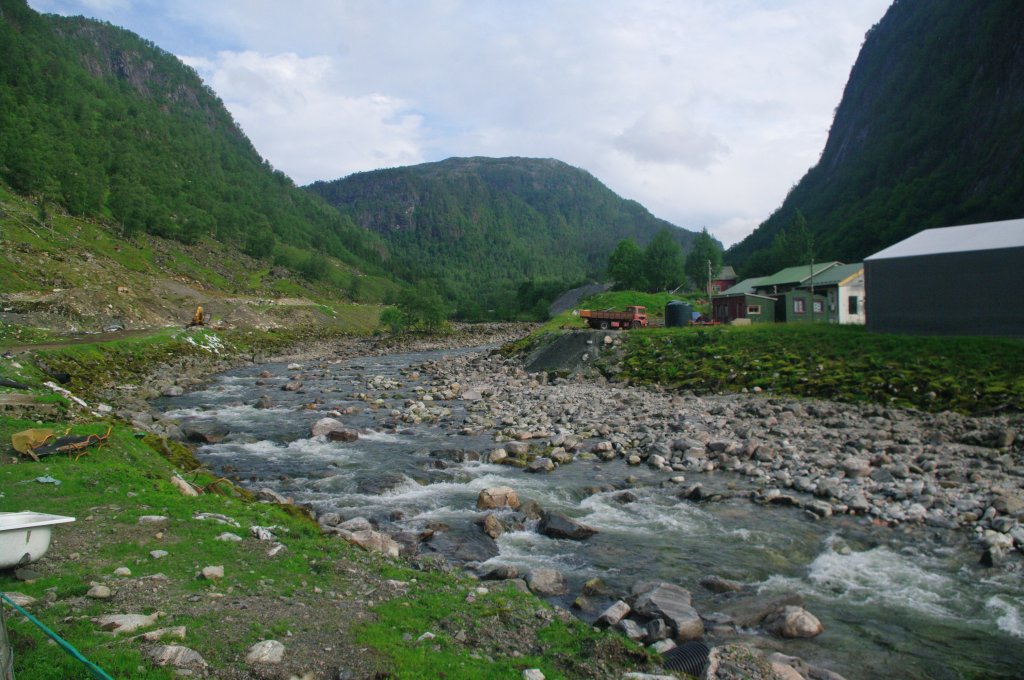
(966, 280)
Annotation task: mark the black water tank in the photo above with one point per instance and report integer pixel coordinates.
(677, 313)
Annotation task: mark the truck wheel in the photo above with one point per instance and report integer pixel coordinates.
(604, 325)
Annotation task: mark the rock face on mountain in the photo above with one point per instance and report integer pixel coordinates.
(485, 225)
(926, 134)
(99, 122)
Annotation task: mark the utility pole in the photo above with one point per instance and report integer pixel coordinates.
(812, 287)
(709, 287)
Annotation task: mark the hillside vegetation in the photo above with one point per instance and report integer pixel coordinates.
(102, 123)
(480, 227)
(71, 274)
(927, 135)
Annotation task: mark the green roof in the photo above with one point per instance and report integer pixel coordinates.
(838, 274)
(746, 286)
(794, 276)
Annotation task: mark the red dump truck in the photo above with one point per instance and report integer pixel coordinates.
(633, 317)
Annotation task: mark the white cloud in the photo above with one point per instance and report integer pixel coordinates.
(302, 122)
(705, 111)
(666, 135)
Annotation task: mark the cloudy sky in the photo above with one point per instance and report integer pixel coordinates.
(704, 111)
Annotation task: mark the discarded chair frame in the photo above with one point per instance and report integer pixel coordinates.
(69, 445)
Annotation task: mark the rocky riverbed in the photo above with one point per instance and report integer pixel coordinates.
(902, 468)
(911, 473)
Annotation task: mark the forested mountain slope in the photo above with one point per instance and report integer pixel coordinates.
(103, 123)
(928, 134)
(480, 227)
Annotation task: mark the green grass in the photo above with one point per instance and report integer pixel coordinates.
(14, 334)
(107, 491)
(968, 375)
(654, 302)
(466, 646)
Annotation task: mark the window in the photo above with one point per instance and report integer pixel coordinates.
(716, 288)
(753, 309)
(798, 306)
(853, 304)
(819, 307)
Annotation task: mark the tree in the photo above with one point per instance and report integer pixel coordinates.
(705, 249)
(423, 306)
(393, 319)
(626, 265)
(663, 262)
(799, 241)
(792, 246)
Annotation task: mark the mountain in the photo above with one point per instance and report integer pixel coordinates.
(101, 123)
(481, 227)
(928, 134)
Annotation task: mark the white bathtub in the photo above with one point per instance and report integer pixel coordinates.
(25, 536)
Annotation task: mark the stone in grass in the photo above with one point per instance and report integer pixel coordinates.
(122, 571)
(213, 573)
(125, 623)
(265, 651)
(177, 632)
(99, 592)
(158, 554)
(176, 656)
(152, 519)
(533, 674)
(229, 537)
(20, 599)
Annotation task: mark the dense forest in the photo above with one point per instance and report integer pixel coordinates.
(103, 123)
(928, 134)
(98, 122)
(480, 228)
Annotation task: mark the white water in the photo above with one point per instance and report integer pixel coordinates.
(893, 606)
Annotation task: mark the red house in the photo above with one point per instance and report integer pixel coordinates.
(725, 280)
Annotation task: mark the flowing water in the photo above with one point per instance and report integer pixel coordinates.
(893, 605)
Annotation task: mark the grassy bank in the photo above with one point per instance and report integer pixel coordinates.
(333, 605)
(95, 367)
(654, 302)
(327, 601)
(968, 375)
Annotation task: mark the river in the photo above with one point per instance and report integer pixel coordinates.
(895, 604)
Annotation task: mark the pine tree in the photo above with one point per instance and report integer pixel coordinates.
(705, 249)
(663, 262)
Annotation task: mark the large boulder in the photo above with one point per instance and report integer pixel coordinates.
(461, 547)
(613, 614)
(547, 582)
(204, 432)
(671, 604)
(372, 541)
(751, 610)
(557, 525)
(325, 426)
(793, 622)
(495, 497)
(381, 483)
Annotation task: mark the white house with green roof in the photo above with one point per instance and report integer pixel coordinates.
(823, 292)
(843, 288)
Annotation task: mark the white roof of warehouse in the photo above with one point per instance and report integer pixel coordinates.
(963, 239)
